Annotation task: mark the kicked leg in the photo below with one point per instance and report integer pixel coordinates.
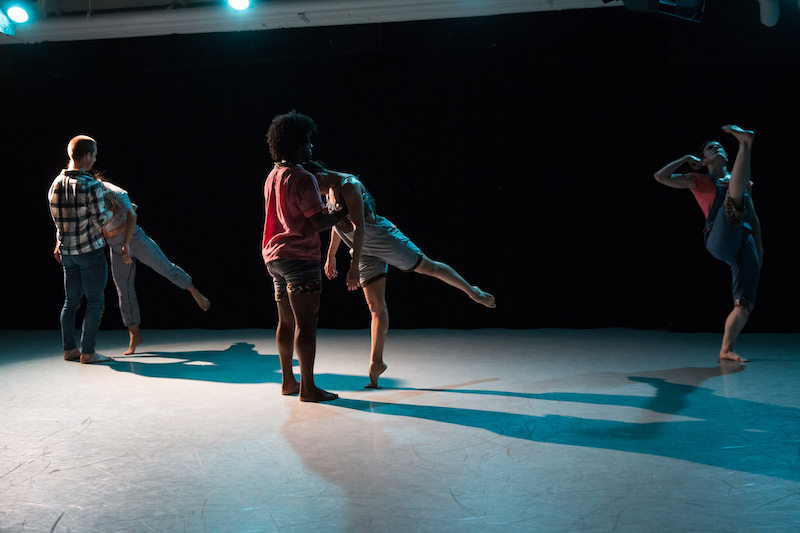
(740, 173)
(446, 273)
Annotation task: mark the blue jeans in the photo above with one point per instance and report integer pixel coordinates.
(84, 274)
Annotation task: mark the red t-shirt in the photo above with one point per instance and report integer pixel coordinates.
(705, 190)
(291, 196)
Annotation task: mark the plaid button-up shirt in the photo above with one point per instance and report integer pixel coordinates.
(78, 210)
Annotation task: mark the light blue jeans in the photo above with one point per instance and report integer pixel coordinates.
(84, 274)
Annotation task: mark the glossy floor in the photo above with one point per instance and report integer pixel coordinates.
(483, 430)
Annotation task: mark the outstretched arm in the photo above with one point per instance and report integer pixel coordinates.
(666, 175)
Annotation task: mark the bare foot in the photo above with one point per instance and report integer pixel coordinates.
(483, 298)
(136, 340)
(202, 302)
(730, 356)
(91, 358)
(375, 370)
(318, 395)
(290, 389)
(72, 355)
(743, 136)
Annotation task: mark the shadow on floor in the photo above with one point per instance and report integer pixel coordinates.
(240, 363)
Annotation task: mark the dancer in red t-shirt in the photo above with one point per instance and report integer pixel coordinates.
(732, 230)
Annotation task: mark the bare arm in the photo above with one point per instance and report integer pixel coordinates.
(320, 221)
(666, 175)
(130, 227)
(352, 192)
(330, 261)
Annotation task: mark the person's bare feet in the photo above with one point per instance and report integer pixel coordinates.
(318, 395)
(730, 356)
(72, 355)
(290, 389)
(136, 340)
(743, 136)
(92, 358)
(483, 297)
(375, 370)
(202, 302)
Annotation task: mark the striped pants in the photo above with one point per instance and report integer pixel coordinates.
(144, 249)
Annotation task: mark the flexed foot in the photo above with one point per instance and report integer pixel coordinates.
(72, 355)
(483, 297)
(743, 136)
(375, 370)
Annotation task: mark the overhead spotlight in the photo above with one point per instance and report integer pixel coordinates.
(18, 13)
(239, 5)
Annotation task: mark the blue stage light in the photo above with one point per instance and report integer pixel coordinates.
(239, 5)
(18, 14)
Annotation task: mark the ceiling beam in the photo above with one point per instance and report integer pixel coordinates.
(273, 14)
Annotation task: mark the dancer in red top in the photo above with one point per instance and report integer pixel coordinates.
(732, 230)
(294, 216)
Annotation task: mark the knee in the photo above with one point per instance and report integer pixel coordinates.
(305, 323)
(742, 308)
(285, 327)
(96, 300)
(377, 306)
(429, 267)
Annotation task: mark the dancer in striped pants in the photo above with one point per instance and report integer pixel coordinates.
(129, 244)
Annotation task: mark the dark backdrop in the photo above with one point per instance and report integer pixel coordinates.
(519, 149)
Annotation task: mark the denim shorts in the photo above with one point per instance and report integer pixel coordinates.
(295, 276)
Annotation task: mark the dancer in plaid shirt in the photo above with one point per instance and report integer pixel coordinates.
(78, 210)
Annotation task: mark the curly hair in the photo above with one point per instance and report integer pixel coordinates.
(288, 133)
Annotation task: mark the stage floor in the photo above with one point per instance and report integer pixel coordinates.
(474, 431)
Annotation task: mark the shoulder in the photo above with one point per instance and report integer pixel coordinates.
(90, 183)
(296, 174)
(352, 183)
(352, 188)
(701, 181)
(112, 187)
